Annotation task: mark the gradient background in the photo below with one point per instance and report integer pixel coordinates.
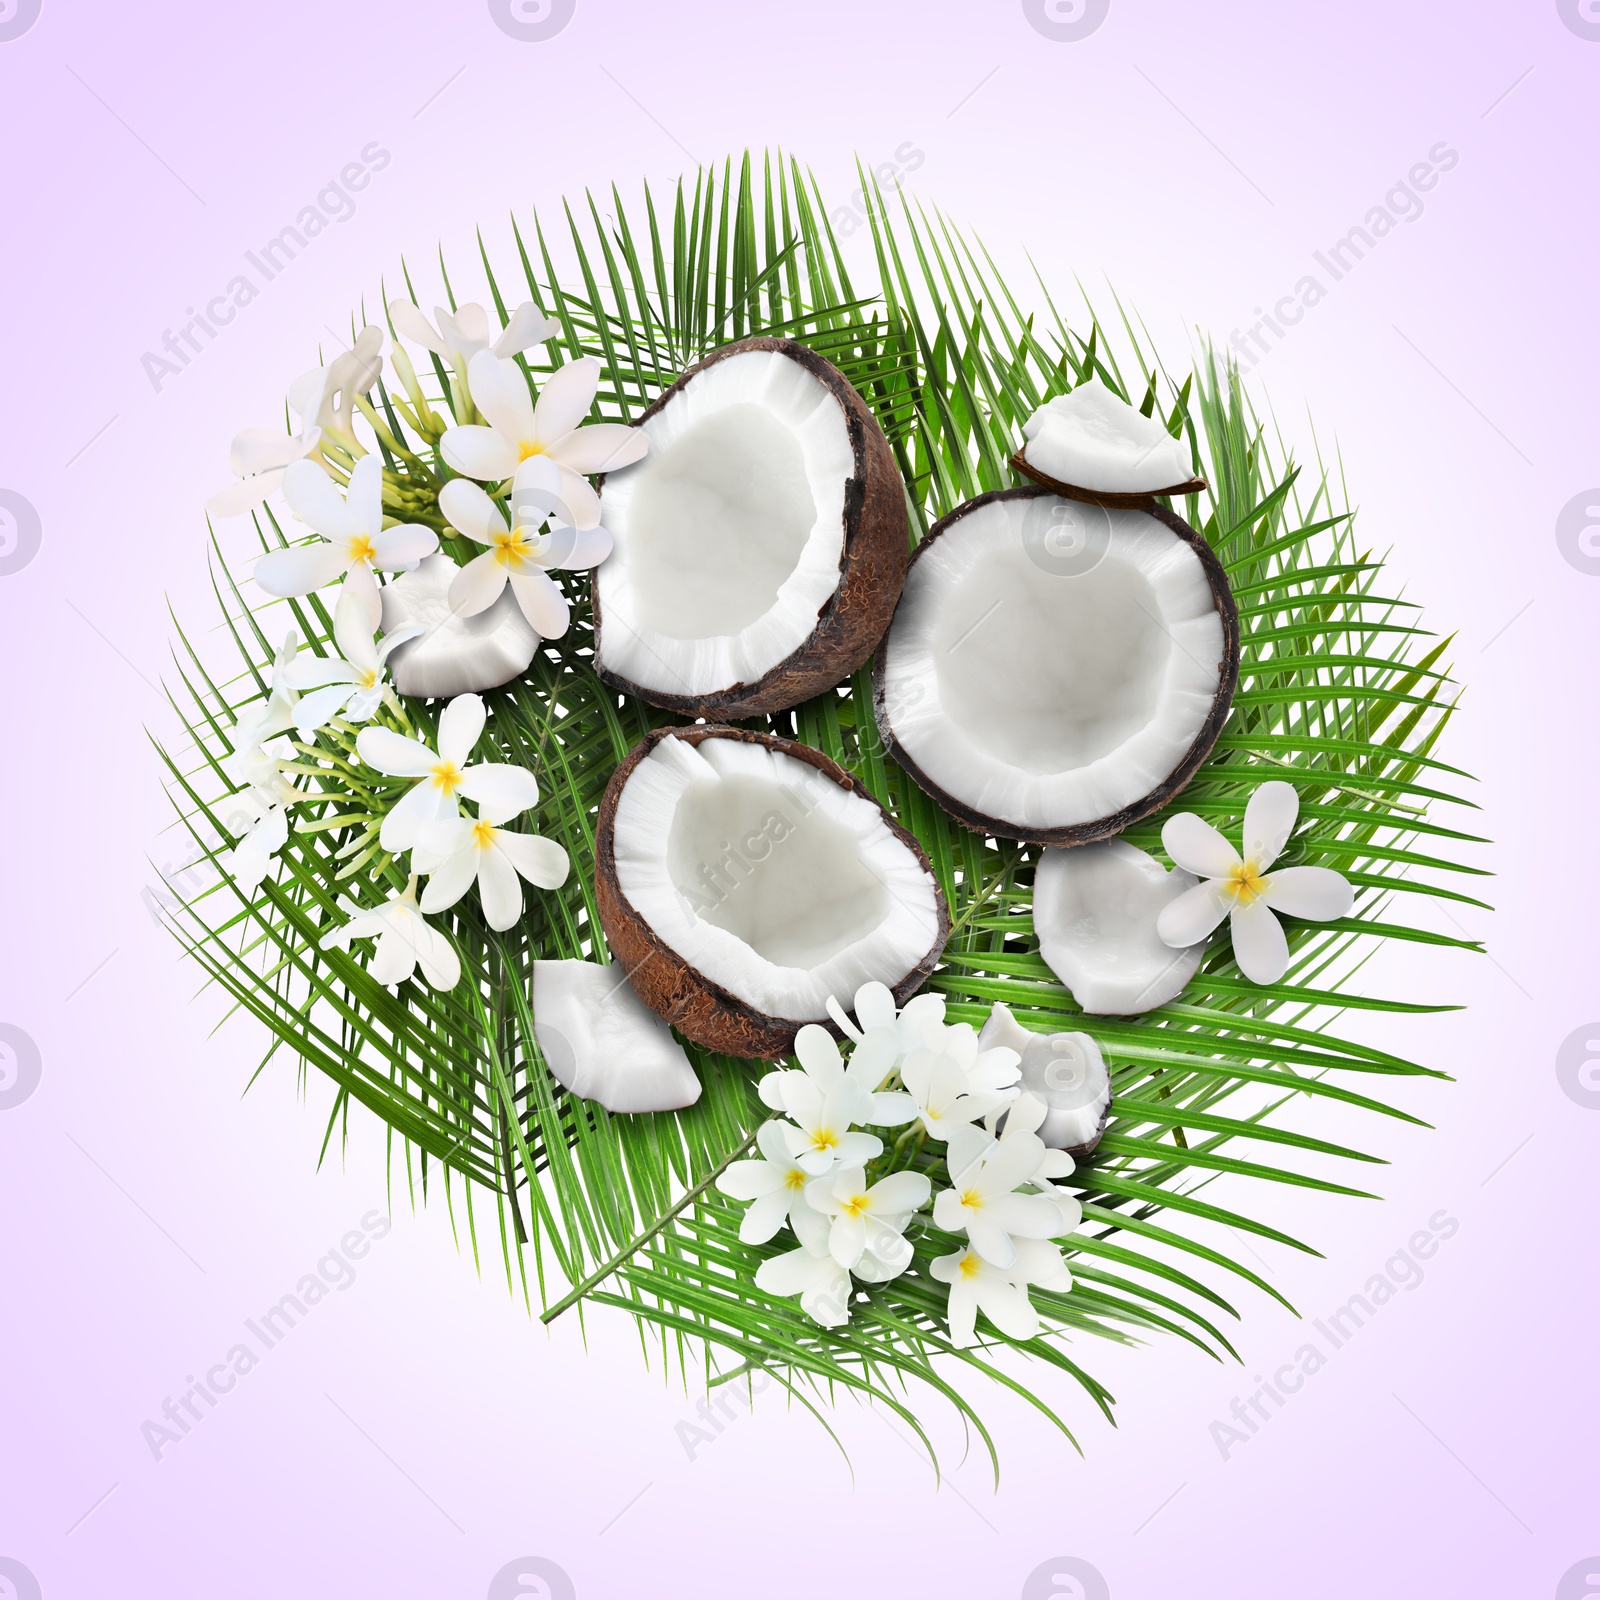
(419, 1434)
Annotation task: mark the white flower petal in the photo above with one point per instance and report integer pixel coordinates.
(572, 550)
(1317, 893)
(363, 496)
(565, 399)
(477, 585)
(400, 548)
(500, 392)
(528, 326)
(321, 706)
(580, 505)
(263, 450)
(387, 751)
(478, 452)
(315, 499)
(499, 890)
(299, 569)
(600, 447)
(469, 510)
(410, 323)
(460, 726)
(541, 861)
(449, 881)
(412, 813)
(1191, 917)
(1259, 945)
(1269, 819)
(500, 790)
(1197, 847)
(543, 604)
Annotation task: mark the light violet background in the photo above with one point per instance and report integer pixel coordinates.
(419, 1434)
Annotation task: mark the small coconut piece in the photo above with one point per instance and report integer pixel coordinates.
(1065, 1071)
(1057, 671)
(1095, 909)
(454, 654)
(1092, 445)
(744, 879)
(603, 1043)
(759, 546)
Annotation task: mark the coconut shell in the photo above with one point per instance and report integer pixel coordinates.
(1164, 792)
(872, 567)
(664, 980)
(1116, 500)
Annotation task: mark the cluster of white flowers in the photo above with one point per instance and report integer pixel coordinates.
(534, 455)
(911, 1070)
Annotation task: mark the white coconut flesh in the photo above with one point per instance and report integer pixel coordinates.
(454, 655)
(728, 535)
(1095, 908)
(768, 878)
(604, 1043)
(1093, 439)
(1051, 663)
(1064, 1070)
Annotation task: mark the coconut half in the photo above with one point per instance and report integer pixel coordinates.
(454, 654)
(1095, 909)
(743, 880)
(1092, 445)
(603, 1043)
(1064, 1070)
(759, 546)
(1057, 671)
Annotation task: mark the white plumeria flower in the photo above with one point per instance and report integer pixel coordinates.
(822, 1067)
(465, 331)
(349, 684)
(1243, 888)
(518, 429)
(324, 400)
(775, 1187)
(1026, 1114)
(869, 1220)
(876, 1013)
(1001, 1293)
(354, 539)
(458, 852)
(822, 1284)
(984, 1203)
(406, 940)
(954, 1083)
(266, 721)
(259, 814)
(444, 774)
(519, 554)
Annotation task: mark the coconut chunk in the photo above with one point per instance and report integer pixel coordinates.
(603, 1043)
(1055, 671)
(1095, 909)
(1065, 1071)
(455, 654)
(1092, 440)
(745, 879)
(759, 545)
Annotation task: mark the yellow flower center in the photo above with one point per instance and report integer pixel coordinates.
(1247, 884)
(528, 448)
(512, 549)
(482, 834)
(854, 1206)
(362, 548)
(969, 1267)
(366, 677)
(826, 1139)
(972, 1198)
(797, 1178)
(446, 777)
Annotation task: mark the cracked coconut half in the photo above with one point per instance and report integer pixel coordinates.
(453, 654)
(1092, 445)
(1065, 1071)
(1056, 671)
(744, 879)
(760, 545)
